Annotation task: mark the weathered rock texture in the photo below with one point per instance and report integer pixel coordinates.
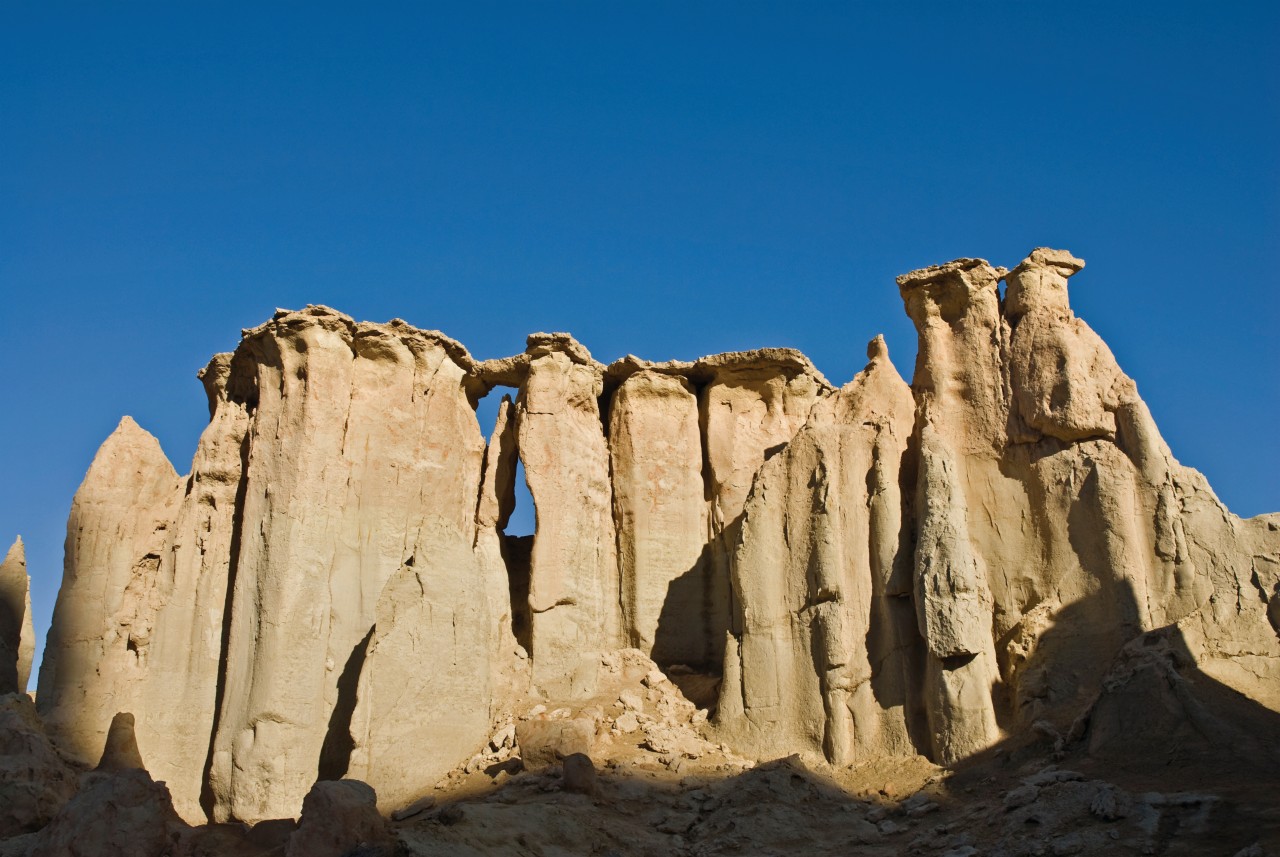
(823, 658)
(17, 637)
(34, 781)
(875, 571)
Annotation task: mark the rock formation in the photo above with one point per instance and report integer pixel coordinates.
(820, 578)
(17, 637)
(875, 571)
(34, 781)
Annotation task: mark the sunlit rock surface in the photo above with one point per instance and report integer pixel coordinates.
(1002, 550)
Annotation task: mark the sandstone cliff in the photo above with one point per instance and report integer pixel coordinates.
(875, 571)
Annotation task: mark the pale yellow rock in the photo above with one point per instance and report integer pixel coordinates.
(819, 556)
(961, 414)
(97, 652)
(881, 571)
(573, 588)
(661, 513)
(364, 461)
(750, 407)
(429, 684)
(175, 716)
(17, 637)
(1052, 520)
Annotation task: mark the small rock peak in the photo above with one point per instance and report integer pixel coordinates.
(131, 441)
(1047, 256)
(877, 348)
(128, 431)
(1040, 282)
(312, 315)
(214, 377)
(17, 551)
(121, 753)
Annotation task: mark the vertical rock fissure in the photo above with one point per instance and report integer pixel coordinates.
(335, 752)
(207, 797)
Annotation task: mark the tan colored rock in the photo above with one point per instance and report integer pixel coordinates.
(573, 587)
(121, 751)
(119, 813)
(364, 464)
(1051, 518)
(660, 508)
(180, 700)
(547, 742)
(338, 816)
(751, 405)
(883, 572)
(34, 780)
(97, 653)
(815, 575)
(429, 686)
(17, 637)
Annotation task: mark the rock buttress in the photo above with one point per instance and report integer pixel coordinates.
(961, 412)
(179, 701)
(824, 658)
(750, 407)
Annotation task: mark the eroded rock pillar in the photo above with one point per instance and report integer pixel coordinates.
(661, 515)
(573, 587)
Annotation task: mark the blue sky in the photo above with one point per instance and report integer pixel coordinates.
(663, 179)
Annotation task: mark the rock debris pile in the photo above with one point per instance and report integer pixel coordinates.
(734, 562)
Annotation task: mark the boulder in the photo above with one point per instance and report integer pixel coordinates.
(338, 816)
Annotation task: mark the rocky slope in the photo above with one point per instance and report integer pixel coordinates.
(931, 596)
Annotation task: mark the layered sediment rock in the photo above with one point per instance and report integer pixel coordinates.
(874, 570)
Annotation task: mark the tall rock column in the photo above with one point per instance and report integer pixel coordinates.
(661, 513)
(961, 413)
(17, 637)
(98, 648)
(431, 680)
(573, 586)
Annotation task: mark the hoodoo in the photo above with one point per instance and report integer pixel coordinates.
(1003, 548)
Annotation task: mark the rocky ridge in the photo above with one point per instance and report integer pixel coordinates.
(998, 567)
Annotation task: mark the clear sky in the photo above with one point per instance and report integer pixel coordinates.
(663, 179)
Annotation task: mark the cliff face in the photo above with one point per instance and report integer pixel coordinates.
(876, 570)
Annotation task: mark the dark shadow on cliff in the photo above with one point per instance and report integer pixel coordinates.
(335, 752)
(1140, 713)
(690, 623)
(207, 799)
